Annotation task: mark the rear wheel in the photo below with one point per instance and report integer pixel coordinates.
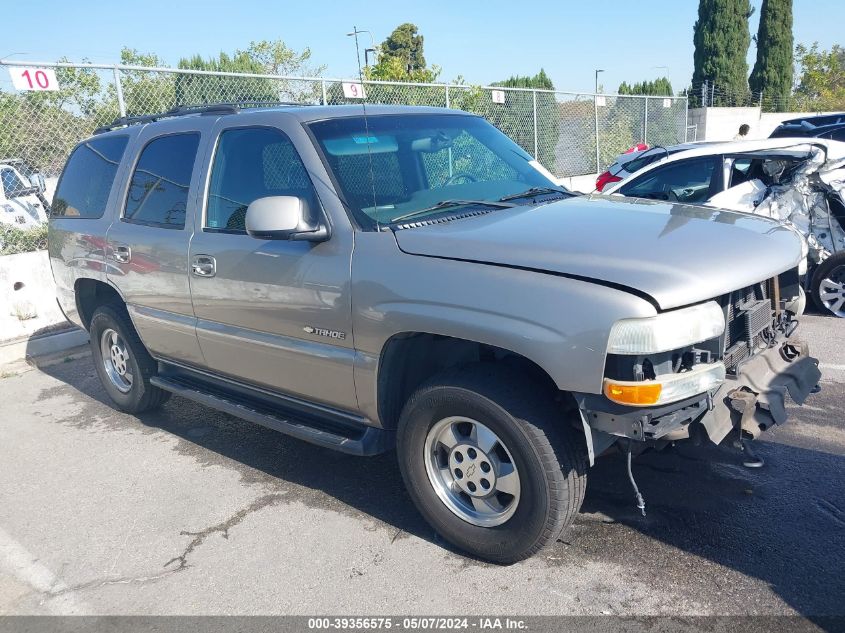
(829, 285)
(122, 362)
(491, 463)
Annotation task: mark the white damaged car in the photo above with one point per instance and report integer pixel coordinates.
(799, 181)
(22, 204)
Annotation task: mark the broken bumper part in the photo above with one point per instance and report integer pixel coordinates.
(751, 400)
(755, 398)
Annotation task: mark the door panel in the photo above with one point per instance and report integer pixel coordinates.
(147, 246)
(267, 310)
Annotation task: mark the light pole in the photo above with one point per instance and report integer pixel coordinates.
(598, 70)
(355, 32)
(5, 57)
(666, 68)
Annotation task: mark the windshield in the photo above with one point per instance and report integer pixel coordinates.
(396, 166)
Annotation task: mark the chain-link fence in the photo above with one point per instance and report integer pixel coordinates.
(712, 94)
(570, 134)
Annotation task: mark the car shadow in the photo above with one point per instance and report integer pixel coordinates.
(783, 524)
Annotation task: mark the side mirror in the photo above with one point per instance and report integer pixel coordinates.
(283, 218)
(25, 191)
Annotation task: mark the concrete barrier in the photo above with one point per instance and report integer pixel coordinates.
(31, 322)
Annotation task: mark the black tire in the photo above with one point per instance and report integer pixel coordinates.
(549, 455)
(141, 395)
(834, 268)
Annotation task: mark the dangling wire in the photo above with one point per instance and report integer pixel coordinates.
(640, 500)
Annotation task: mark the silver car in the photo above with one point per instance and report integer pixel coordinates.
(410, 279)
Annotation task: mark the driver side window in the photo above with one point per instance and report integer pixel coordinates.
(466, 160)
(252, 163)
(684, 181)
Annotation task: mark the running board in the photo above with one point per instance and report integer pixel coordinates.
(363, 440)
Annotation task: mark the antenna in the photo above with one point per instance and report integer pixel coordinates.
(355, 32)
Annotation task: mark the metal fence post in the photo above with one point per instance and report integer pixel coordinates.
(323, 91)
(686, 118)
(596, 111)
(704, 94)
(536, 152)
(119, 89)
(449, 105)
(645, 122)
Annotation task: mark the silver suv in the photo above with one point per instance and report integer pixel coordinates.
(410, 279)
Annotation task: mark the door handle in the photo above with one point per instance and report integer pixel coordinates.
(204, 266)
(121, 253)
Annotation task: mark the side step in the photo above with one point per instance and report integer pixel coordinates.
(364, 440)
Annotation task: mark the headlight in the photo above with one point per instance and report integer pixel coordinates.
(667, 331)
(667, 387)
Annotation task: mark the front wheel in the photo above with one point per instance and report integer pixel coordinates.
(491, 463)
(828, 285)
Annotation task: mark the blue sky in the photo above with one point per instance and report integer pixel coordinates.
(483, 41)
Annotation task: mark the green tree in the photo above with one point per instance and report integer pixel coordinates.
(145, 92)
(275, 58)
(401, 58)
(821, 77)
(772, 74)
(721, 39)
(406, 45)
(660, 87)
(261, 58)
(519, 107)
(191, 89)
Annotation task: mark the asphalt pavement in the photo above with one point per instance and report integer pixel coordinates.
(190, 511)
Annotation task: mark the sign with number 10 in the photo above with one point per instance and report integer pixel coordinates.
(33, 78)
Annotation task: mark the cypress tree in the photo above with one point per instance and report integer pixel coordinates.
(772, 72)
(721, 39)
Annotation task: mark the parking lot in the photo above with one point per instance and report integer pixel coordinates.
(187, 510)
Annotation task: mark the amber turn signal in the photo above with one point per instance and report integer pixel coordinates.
(638, 395)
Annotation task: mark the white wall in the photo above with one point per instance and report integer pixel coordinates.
(722, 124)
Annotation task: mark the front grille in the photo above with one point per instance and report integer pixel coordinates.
(748, 314)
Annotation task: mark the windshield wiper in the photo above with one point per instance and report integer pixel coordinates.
(446, 204)
(535, 191)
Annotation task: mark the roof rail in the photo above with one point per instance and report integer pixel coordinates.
(212, 108)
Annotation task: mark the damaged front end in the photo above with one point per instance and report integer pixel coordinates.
(757, 359)
(801, 186)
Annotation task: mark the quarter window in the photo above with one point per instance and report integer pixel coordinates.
(252, 163)
(158, 191)
(87, 179)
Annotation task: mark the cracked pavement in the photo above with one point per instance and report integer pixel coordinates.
(190, 511)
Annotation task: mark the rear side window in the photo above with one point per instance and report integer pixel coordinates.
(158, 191)
(88, 177)
(252, 163)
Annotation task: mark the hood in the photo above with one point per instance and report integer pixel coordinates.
(676, 254)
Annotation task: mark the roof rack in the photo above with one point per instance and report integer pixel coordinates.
(212, 108)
